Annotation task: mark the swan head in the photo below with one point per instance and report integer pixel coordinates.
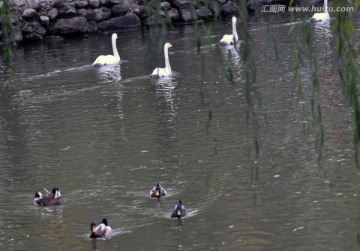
(114, 36)
(233, 20)
(168, 45)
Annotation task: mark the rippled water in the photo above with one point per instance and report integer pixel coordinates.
(106, 135)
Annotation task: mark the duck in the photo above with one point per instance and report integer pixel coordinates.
(179, 210)
(164, 72)
(109, 59)
(53, 199)
(100, 231)
(233, 38)
(158, 191)
(322, 16)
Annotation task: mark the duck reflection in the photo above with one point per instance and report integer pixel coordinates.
(109, 73)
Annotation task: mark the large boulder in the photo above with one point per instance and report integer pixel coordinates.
(180, 3)
(33, 31)
(204, 13)
(229, 9)
(67, 11)
(119, 10)
(187, 13)
(29, 14)
(16, 35)
(129, 21)
(71, 26)
(98, 15)
(174, 14)
(53, 14)
(81, 4)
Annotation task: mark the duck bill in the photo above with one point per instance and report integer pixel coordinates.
(93, 229)
(157, 193)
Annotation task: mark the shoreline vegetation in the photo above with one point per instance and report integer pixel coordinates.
(36, 20)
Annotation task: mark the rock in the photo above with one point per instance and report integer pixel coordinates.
(71, 26)
(128, 3)
(93, 27)
(119, 10)
(58, 3)
(165, 5)
(100, 14)
(145, 12)
(81, 4)
(229, 9)
(45, 21)
(34, 4)
(174, 14)
(106, 3)
(67, 11)
(129, 21)
(33, 31)
(53, 14)
(187, 13)
(204, 13)
(180, 3)
(94, 3)
(29, 14)
(16, 35)
(14, 20)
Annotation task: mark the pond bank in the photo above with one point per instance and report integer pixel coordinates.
(34, 20)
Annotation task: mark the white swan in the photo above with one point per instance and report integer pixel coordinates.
(233, 38)
(322, 16)
(164, 72)
(109, 59)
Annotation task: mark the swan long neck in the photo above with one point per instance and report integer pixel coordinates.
(325, 6)
(167, 62)
(234, 32)
(115, 51)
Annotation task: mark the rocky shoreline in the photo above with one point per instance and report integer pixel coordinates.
(34, 20)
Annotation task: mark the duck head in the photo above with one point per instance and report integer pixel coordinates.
(55, 193)
(104, 221)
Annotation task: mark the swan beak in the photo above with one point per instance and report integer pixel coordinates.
(170, 45)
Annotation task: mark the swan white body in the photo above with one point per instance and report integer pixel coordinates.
(323, 16)
(233, 38)
(164, 72)
(109, 59)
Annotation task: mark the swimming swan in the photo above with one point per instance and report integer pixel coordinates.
(164, 72)
(323, 16)
(109, 59)
(233, 38)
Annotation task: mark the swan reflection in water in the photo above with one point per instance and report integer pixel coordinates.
(165, 87)
(109, 73)
(323, 36)
(232, 58)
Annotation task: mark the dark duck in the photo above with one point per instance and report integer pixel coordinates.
(103, 230)
(158, 191)
(49, 199)
(179, 210)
